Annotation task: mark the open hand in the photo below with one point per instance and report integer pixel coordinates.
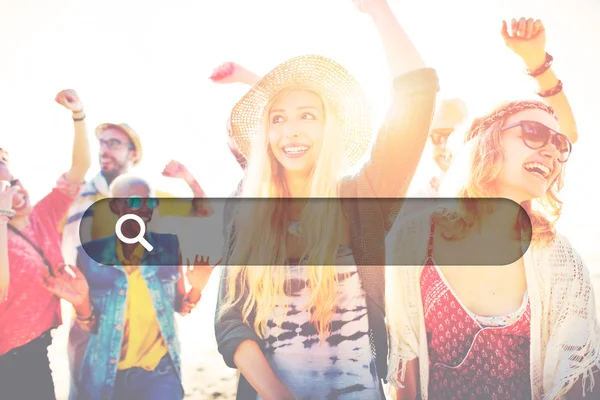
(199, 273)
(73, 289)
(527, 38)
(69, 100)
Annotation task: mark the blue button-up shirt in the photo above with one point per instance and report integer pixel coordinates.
(108, 293)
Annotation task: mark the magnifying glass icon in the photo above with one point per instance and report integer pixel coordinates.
(140, 236)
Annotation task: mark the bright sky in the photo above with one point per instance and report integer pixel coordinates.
(147, 63)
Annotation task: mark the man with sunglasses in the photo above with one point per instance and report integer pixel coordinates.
(120, 152)
(126, 297)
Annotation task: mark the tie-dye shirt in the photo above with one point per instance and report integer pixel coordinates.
(342, 366)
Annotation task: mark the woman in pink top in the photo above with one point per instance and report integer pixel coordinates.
(29, 312)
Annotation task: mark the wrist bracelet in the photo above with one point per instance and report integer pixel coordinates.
(88, 319)
(9, 213)
(543, 68)
(79, 119)
(551, 92)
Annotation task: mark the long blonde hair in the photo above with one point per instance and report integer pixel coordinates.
(257, 255)
(475, 170)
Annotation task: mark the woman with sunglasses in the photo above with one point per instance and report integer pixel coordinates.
(29, 313)
(126, 297)
(526, 329)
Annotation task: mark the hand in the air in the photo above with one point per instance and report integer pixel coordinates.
(175, 169)
(527, 39)
(231, 72)
(69, 100)
(368, 6)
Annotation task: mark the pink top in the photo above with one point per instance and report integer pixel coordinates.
(30, 309)
(468, 360)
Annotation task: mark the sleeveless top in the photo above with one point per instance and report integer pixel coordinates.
(339, 367)
(472, 357)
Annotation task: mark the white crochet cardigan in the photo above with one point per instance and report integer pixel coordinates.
(565, 336)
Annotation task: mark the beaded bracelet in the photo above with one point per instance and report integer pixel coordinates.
(9, 213)
(551, 92)
(543, 68)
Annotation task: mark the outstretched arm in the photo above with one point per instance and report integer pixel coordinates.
(200, 205)
(527, 38)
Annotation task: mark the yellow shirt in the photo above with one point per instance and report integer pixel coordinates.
(143, 345)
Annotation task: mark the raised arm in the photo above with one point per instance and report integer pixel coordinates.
(402, 138)
(81, 159)
(201, 204)
(231, 72)
(527, 38)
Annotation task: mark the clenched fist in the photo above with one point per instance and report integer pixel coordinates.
(175, 169)
(231, 72)
(69, 100)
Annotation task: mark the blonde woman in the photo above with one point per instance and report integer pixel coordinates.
(527, 329)
(295, 325)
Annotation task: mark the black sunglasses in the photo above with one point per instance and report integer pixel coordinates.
(15, 182)
(536, 135)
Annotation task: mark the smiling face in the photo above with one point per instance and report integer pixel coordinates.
(116, 154)
(526, 173)
(296, 128)
(21, 203)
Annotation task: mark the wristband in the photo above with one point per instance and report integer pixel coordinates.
(543, 68)
(554, 91)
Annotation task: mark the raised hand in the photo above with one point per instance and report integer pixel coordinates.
(7, 193)
(527, 38)
(73, 289)
(231, 72)
(69, 100)
(368, 6)
(199, 273)
(175, 169)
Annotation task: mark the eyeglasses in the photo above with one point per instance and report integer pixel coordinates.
(536, 135)
(15, 182)
(136, 202)
(113, 144)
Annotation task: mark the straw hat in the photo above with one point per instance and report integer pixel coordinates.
(331, 81)
(449, 114)
(126, 129)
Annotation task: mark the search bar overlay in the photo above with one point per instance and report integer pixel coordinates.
(139, 238)
(490, 241)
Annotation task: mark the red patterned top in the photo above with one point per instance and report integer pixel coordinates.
(30, 309)
(467, 360)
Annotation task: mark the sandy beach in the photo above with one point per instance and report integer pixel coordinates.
(205, 376)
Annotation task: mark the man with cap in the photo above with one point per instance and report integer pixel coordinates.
(120, 151)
